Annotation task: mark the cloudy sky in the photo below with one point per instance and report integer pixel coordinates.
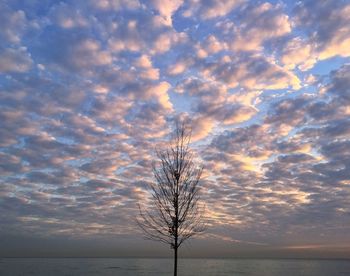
(88, 89)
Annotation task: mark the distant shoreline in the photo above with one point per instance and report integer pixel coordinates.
(185, 258)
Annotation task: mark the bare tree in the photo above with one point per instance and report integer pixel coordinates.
(176, 214)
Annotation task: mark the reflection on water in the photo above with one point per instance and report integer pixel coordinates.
(187, 267)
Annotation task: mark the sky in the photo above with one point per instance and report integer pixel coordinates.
(90, 88)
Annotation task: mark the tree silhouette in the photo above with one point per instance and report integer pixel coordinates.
(175, 214)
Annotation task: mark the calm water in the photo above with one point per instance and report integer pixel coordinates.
(187, 267)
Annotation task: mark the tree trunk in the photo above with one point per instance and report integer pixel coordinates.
(176, 205)
(175, 261)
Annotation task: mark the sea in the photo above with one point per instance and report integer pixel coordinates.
(187, 267)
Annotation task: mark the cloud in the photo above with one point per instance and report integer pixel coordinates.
(66, 51)
(178, 68)
(166, 8)
(15, 60)
(67, 18)
(211, 9)
(340, 84)
(130, 35)
(213, 104)
(258, 25)
(251, 72)
(328, 26)
(13, 24)
(10, 164)
(298, 53)
(147, 71)
(202, 127)
(108, 5)
(144, 62)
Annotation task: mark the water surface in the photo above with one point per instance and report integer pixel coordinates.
(187, 267)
